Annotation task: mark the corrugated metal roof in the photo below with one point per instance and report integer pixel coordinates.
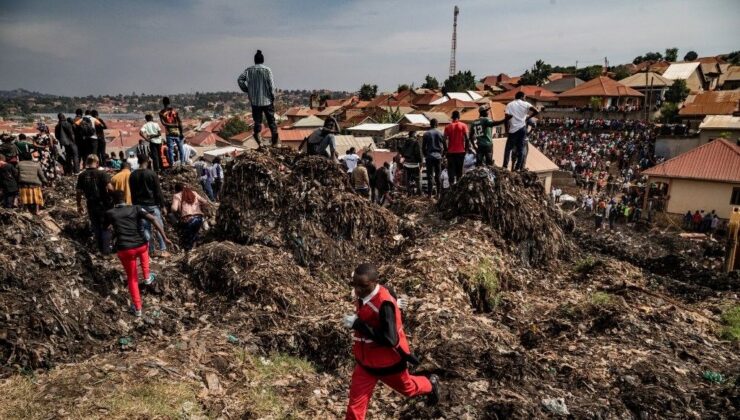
(718, 160)
(441, 117)
(720, 122)
(678, 71)
(417, 119)
(372, 127)
(535, 92)
(536, 161)
(563, 83)
(344, 142)
(311, 121)
(601, 86)
(654, 79)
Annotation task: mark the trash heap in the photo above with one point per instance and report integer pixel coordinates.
(516, 206)
(301, 204)
(54, 298)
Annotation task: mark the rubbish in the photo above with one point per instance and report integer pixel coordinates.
(232, 339)
(556, 406)
(713, 377)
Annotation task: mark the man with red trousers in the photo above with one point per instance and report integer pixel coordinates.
(380, 346)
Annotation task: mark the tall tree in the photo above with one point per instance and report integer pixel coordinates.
(430, 82)
(233, 126)
(537, 75)
(671, 54)
(590, 72)
(620, 72)
(690, 56)
(368, 92)
(650, 56)
(460, 82)
(402, 88)
(678, 91)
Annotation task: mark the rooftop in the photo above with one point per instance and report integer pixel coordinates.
(601, 86)
(536, 161)
(720, 122)
(639, 80)
(678, 71)
(372, 127)
(723, 155)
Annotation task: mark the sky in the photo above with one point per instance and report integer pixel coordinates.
(87, 47)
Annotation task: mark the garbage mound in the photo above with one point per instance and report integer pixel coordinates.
(301, 204)
(52, 296)
(516, 206)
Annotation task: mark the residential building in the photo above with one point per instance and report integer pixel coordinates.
(720, 102)
(537, 162)
(690, 72)
(536, 95)
(379, 132)
(650, 84)
(719, 126)
(695, 184)
(609, 92)
(562, 83)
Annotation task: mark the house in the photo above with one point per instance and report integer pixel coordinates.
(442, 118)
(563, 83)
(716, 126)
(331, 111)
(345, 142)
(298, 112)
(413, 120)
(690, 72)
(469, 96)
(291, 138)
(312, 121)
(649, 84)
(711, 72)
(730, 78)
(204, 138)
(536, 95)
(379, 132)
(720, 102)
(609, 92)
(537, 162)
(693, 184)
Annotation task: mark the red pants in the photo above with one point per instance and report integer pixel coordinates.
(128, 258)
(363, 384)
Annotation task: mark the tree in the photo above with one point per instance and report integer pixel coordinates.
(690, 56)
(651, 56)
(368, 92)
(678, 92)
(233, 126)
(668, 112)
(430, 83)
(590, 72)
(402, 88)
(537, 75)
(460, 82)
(323, 98)
(734, 58)
(671, 54)
(621, 72)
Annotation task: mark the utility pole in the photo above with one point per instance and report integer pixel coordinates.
(453, 65)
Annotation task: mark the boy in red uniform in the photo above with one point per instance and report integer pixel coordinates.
(380, 347)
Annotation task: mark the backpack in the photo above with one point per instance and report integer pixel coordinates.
(87, 128)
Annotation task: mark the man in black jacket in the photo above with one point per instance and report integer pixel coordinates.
(434, 147)
(95, 186)
(64, 132)
(146, 193)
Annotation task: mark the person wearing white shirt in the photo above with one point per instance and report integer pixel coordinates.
(350, 159)
(188, 151)
(133, 161)
(151, 132)
(516, 115)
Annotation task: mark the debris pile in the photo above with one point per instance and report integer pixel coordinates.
(301, 204)
(516, 206)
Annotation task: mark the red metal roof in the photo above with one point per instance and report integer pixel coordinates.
(718, 160)
(535, 92)
(204, 138)
(601, 86)
(289, 135)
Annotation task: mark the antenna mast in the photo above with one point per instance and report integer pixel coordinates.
(453, 65)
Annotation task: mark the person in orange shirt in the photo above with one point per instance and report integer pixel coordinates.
(120, 181)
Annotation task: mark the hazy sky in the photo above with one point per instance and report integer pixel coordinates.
(167, 46)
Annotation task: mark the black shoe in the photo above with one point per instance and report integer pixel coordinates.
(433, 397)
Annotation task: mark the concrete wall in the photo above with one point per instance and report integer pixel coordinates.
(670, 147)
(694, 82)
(546, 179)
(691, 195)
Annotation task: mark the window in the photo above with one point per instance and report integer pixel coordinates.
(735, 199)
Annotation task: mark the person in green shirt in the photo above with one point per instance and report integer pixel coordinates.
(481, 137)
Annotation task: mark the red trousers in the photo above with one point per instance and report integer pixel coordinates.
(128, 258)
(363, 384)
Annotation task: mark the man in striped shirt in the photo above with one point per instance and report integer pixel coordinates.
(257, 82)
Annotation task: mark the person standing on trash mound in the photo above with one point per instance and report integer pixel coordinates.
(380, 346)
(131, 244)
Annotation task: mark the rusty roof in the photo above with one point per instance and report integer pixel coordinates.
(718, 160)
(601, 86)
(534, 92)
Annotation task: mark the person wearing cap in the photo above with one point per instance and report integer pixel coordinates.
(322, 142)
(380, 346)
(257, 82)
(482, 138)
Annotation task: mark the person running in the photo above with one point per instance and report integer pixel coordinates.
(94, 185)
(456, 134)
(257, 82)
(170, 119)
(481, 131)
(434, 147)
(517, 113)
(152, 134)
(131, 244)
(188, 205)
(64, 132)
(380, 346)
(147, 193)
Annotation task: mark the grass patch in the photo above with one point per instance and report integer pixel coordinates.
(586, 265)
(152, 400)
(484, 287)
(730, 324)
(601, 299)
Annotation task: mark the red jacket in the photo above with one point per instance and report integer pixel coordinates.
(366, 351)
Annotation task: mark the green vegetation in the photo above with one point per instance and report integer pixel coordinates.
(650, 56)
(484, 287)
(233, 126)
(668, 112)
(678, 92)
(368, 92)
(671, 54)
(601, 299)
(537, 75)
(730, 324)
(430, 83)
(402, 88)
(460, 82)
(690, 56)
(586, 265)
